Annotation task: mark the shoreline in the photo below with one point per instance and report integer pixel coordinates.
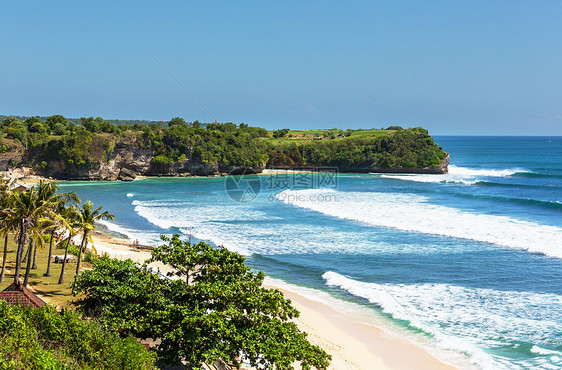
(352, 344)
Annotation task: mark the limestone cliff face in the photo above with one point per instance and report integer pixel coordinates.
(126, 162)
(129, 160)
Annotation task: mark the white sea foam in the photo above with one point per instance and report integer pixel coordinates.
(458, 175)
(455, 170)
(130, 195)
(219, 223)
(544, 351)
(245, 230)
(144, 238)
(414, 213)
(482, 317)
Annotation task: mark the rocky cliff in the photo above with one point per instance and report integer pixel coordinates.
(128, 160)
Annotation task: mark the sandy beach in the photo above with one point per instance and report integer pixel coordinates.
(352, 344)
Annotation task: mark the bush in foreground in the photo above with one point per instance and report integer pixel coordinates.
(41, 338)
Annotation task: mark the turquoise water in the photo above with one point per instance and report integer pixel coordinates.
(470, 261)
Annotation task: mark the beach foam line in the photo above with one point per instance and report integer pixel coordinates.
(464, 319)
(144, 238)
(414, 213)
(390, 304)
(357, 313)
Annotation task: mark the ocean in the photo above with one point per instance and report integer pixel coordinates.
(468, 264)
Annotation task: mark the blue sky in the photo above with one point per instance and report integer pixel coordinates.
(474, 67)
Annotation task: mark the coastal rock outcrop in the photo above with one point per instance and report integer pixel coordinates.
(127, 160)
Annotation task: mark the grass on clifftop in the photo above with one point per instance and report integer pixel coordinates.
(301, 136)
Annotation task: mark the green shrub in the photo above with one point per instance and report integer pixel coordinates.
(41, 338)
(162, 160)
(88, 256)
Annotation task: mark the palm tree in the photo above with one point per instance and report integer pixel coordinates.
(21, 217)
(28, 215)
(48, 192)
(71, 217)
(87, 223)
(28, 268)
(5, 203)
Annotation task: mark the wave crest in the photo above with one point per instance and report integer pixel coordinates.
(414, 213)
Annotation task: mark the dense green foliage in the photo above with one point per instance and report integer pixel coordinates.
(41, 338)
(219, 143)
(223, 312)
(411, 148)
(56, 143)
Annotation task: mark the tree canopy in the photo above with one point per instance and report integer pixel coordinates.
(211, 306)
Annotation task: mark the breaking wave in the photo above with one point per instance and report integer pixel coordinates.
(414, 213)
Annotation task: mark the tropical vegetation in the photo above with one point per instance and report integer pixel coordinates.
(212, 306)
(52, 143)
(36, 214)
(44, 339)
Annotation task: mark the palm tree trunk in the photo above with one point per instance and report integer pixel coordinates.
(80, 252)
(24, 259)
(21, 245)
(4, 259)
(28, 269)
(34, 266)
(48, 273)
(61, 278)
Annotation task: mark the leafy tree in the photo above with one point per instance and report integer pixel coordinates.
(59, 129)
(215, 307)
(91, 124)
(55, 120)
(277, 134)
(30, 121)
(15, 129)
(177, 121)
(161, 160)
